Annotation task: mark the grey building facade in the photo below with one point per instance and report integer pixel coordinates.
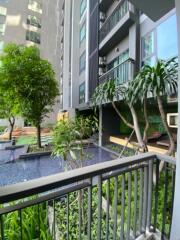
(112, 39)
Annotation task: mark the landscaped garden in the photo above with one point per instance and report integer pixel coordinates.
(71, 146)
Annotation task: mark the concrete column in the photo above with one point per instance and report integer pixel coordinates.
(175, 233)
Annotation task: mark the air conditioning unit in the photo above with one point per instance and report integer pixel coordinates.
(172, 120)
(102, 17)
(172, 99)
(102, 61)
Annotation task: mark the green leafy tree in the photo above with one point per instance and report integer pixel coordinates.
(159, 80)
(69, 136)
(9, 106)
(33, 80)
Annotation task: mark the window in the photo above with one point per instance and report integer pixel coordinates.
(83, 6)
(83, 32)
(35, 6)
(118, 60)
(161, 43)
(82, 62)
(1, 47)
(82, 93)
(148, 49)
(3, 12)
(2, 29)
(34, 21)
(167, 45)
(33, 37)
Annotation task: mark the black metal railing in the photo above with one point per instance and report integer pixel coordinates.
(123, 73)
(119, 12)
(119, 199)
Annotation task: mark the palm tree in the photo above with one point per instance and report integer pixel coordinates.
(110, 92)
(159, 80)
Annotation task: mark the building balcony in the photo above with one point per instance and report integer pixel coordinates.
(119, 199)
(124, 72)
(116, 27)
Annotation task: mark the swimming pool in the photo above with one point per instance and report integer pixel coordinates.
(21, 170)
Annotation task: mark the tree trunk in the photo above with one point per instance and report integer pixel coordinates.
(145, 139)
(39, 135)
(141, 143)
(168, 130)
(122, 117)
(12, 122)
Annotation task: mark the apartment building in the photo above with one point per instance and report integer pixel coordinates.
(34, 22)
(112, 39)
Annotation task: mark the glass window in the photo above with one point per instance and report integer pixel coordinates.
(83, 6)
(33, 37)
(83, 32)
(3, 11)
(35, 6)
(82, 62)
(148, 45)
(118, 60)
(1, 47)
(161, 43)
(34, 21)
(2, 29)
(148, 49)
(167, 46)
(82, 93)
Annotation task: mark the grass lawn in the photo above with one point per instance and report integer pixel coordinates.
(24, 140)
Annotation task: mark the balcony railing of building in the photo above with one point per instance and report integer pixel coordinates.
(119, 199)
(123, 72)
(120, 11)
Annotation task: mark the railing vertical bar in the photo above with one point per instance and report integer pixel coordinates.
(54, 219)
(141, 201)
(150, 185)
(79, 213)
(156, 195)
(122, 206)
(107, 208)
(67, 216)
(165, 198)
(39, 225)
(2, 226)
(89, 209)
(20, 216)
(145, 199)
(135, 202)
(115, 207)
(46, 204)
(99, 206)
(173, 188)
(129, 204)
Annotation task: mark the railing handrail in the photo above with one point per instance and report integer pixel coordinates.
(114, 68)
(108, 18)
(44, 184)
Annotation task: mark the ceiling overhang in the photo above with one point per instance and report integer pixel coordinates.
(154, 9)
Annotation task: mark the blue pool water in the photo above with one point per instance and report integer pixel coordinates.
(21, 170)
